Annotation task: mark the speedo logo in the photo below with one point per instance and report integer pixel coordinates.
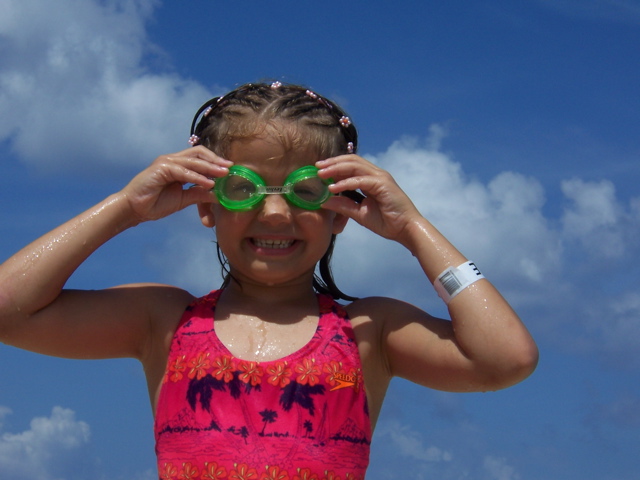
(344, 381)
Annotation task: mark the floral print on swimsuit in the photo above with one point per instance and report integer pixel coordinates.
(301, 417)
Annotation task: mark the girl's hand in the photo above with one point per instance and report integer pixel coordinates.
(386, 210)
(158, 191)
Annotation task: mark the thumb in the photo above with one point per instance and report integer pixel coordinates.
(342, 205)
(198, 194)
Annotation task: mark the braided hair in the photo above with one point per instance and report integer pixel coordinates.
(245, 111)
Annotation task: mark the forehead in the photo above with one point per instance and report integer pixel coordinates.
(272, 154)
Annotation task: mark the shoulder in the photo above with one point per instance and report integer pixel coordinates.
(166, 304)
(387, 328)
(381, 318)
(374, 318)
(395, 322)
(382, 310)
(164, 307)
(156, 299)
(158, 306)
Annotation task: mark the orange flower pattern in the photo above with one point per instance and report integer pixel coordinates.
(224, 418)
(329, 475)
(274, 473)
(189, 472)
(279, 374)
(176, 367)
(199, 366)
(332, 369)
(309, 373)
(251, 372)
(243, 472)
(212, 471)
(305, 474)
(168, 471)
(224, 367)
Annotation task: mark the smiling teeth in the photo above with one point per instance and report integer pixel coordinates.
(272, 243)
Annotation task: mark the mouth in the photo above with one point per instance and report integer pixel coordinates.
(272, 243)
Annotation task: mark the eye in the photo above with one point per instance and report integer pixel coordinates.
(238, 188)
(311, 189)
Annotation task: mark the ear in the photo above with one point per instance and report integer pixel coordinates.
(339, 222)
(205, 210)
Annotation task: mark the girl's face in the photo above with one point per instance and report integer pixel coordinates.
(276, 243)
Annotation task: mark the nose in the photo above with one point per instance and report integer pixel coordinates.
(275, 210)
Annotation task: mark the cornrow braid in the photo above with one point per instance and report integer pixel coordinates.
(241, 112)
(238, 113)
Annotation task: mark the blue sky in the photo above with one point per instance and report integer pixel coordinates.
(512, 124)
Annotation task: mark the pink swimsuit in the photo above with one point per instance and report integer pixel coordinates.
(303, 417)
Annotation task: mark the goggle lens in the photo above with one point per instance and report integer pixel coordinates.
(239, 189)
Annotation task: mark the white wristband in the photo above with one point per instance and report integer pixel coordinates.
(455, 279)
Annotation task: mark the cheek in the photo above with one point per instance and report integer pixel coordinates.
(319, 216)
(318, 220)
(318, 225)
(228, 225)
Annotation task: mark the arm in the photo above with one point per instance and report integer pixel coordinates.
(37, 314)
(485, 346)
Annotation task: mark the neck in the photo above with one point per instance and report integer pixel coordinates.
(247, 294)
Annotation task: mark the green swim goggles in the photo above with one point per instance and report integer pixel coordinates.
(243, 189)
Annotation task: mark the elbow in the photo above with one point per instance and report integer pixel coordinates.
(525, 363)
(508, 368)
(516, 367)
(7, 332)
(12, 323)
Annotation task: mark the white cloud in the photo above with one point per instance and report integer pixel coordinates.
(597, 221)
(74, 79)
(4, 411)
(498, 469)
(500, 225)
(50, 446)
(611, 328)
(409, 443)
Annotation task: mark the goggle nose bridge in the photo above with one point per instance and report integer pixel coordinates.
(273, 190)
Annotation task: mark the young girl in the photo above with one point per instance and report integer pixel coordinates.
(268, 377)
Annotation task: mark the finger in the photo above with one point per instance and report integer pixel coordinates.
(200, 164)
(200, 159)
(343, 160)
(343, 206)
(343, 167)
(368, 185)
(192, 170)
(204, 153)
(197, 194)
